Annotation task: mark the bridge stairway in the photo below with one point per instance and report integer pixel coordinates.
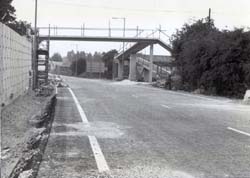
(133, 50)
(140, 46)
(143, 66)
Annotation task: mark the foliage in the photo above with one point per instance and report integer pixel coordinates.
(23, 28)
(108, 59)
(78, 66)
(83, 58)
(56, 57)
(71, 55)
(218, 61)
(8, 17)
(7, 11)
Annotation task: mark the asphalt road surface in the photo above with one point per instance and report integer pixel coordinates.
(109, 129)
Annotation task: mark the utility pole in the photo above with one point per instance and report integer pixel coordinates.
(209, 16)
(35, 16)
(123, 44)
(35, 45)
(76, 58)
(109, 29)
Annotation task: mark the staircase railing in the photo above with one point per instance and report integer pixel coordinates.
(152, 35)
(156, 68)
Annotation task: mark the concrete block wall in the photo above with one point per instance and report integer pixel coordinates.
(15, 64)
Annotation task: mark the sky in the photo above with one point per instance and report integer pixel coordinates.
(170, 15)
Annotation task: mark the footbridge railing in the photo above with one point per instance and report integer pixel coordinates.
(157, 33)
(162, 70)
(101, 32)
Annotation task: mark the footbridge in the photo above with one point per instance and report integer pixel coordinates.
(133, 40)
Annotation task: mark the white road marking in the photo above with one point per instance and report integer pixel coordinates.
(238, 131)
(99, 157)
(81, 112)
(100, 160)
(165, 106)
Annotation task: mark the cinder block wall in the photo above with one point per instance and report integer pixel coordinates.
(15, 64)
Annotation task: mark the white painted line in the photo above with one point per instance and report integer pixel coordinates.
(99, 157)
(238, 131)
(100, 160)
(81, 112)
(165, 106)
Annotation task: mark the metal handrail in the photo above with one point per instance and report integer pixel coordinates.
(129, 44)
(147, 36)
(83, 30)
(94, 28)
(145, 62)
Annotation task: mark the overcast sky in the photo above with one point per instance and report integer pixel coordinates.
(171, 15)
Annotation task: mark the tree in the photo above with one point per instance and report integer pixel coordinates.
(108, 59)
(78, 66)
(7, 11)
(7, 16)
(82, 54)
(71, 55)
(56, 57)
(217, 61)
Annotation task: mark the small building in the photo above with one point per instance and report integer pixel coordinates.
(94, 68)
(61, 68)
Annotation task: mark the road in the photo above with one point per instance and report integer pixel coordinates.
(107, 129)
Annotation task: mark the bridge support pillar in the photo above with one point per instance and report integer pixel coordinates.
(120, 69)
(151, 63)
(132, 67)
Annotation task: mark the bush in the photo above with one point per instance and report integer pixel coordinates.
(218, 61)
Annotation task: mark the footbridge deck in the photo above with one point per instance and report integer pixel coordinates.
(98, 39)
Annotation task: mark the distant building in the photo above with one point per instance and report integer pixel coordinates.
(94, 68)
(61, 68)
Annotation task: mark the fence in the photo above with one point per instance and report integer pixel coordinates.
(15, 64)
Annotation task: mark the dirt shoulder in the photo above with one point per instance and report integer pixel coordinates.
(17, 127)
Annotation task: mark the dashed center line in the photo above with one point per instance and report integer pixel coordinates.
(165, 106)
(238, 131)
(99, 157)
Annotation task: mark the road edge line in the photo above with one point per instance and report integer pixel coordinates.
(96, 149)
(99, 157)
(79, 108)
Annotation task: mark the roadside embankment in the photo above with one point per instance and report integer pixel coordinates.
(26, 125)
